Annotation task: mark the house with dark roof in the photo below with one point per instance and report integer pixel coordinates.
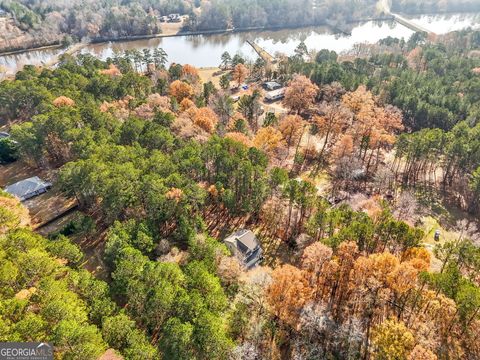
(271, 85)
(28, 188)
(245, 246)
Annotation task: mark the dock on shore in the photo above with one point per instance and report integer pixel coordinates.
(268, 58)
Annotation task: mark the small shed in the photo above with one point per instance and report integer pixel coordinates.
(28, 188)
(245, 246)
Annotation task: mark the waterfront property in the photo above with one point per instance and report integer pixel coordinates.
(245, 246)
(272, 85)
(275, 95)
(174, 18)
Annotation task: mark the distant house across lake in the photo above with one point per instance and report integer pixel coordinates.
(171, 18)
(28, 188)
(245, 246)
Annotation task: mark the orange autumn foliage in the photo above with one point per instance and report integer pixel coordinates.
(288, 293)
(403, 277)
(419, 257)
(206, 119)
(344, 147)
(331, 121)
(62, 101)
(420, 353)
(240, 73)
(300, 93)
(190, 73)
(213, 191)
(373, 128)
(187, 104)
(268, 139)
(292, 127)
(112, 71)
(180, 90)
(375, 269)
(239, 137)
(175, 194)
(377, 124)
(115, 105)
(360, 101)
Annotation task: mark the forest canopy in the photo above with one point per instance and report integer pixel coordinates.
(163, 167)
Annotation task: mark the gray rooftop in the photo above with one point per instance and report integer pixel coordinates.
(247, 238)
(275, 93)
(28, 188)
(245, 245)
(272, 83)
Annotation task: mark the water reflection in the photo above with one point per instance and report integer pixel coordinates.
(205, 51)
(442, 24)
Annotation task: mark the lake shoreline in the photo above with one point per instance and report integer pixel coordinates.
(204, 48)
(105, 40)
(36, 48)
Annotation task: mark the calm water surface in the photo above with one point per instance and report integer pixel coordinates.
(205, 50)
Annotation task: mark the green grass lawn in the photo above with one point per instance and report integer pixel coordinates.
(430, 225)
(322, 180)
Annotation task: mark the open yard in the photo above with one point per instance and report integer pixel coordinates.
(58, 224)
(48, 207)
(212, 74)
(172, 28)
(43, 208)
(17, 171)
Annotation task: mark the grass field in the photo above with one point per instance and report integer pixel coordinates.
(208, 74)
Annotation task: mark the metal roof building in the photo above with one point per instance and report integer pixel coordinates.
(28, 188)
(272, 85)
(246, 247)
(275, 95)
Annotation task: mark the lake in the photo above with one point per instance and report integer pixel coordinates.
(205, 50)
